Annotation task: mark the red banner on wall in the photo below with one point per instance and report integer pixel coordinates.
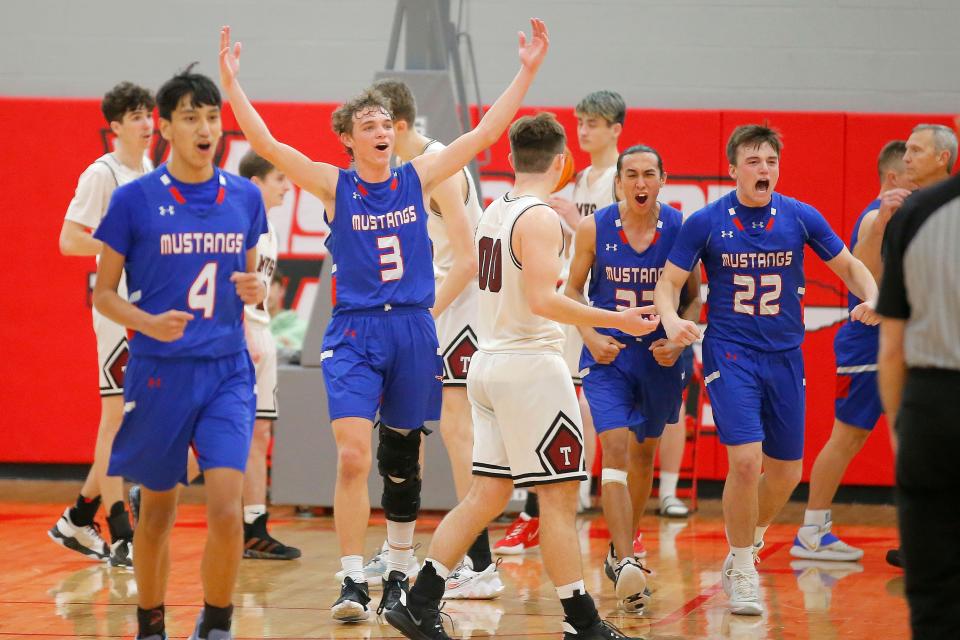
(50, 405)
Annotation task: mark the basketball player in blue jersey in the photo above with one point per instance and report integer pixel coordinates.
(857, 407)
(633, 384)
(380, 349)
(751, 242)
(186, 235)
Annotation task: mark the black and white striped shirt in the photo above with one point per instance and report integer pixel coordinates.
(921, 275)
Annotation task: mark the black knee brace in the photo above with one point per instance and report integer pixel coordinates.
(398, 461)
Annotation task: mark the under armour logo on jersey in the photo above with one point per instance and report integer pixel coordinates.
(757, 225)
(726, 234)
(356, 196)
(611, 247)
(166, 211)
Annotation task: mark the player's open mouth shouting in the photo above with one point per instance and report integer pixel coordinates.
(763, 185)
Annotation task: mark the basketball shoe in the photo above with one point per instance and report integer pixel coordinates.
(639, 549)
(816, 542)
(213, 634)
(600, 630)
(743, 589)
(466, 584)
(85, 540)
(425, 624)
(351, 606)
(521, 536)
(121, 554)
(612, 569)
(376, 567)
(394, 584)
(259, 544)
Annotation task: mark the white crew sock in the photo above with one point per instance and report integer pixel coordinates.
(570, 590)
(742, 558)
(253, 511)
(400, 541)
(819, 517)
(353, 568)
(668, 484)
(443, 572)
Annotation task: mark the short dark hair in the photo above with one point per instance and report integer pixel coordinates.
(609, 105)
(254, 166)
(639, 148)
(890, 156)
(403, 105)
(342, 118)
(200, 89)
(535, 140)
(123, 98)
(752, 135)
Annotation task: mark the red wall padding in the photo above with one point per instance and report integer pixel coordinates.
(50, 408)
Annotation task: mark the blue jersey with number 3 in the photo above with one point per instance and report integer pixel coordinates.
(621, 277)
(181, 244)
(382, 254)
(753, 257)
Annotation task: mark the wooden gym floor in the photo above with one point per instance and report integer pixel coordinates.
(49, 592)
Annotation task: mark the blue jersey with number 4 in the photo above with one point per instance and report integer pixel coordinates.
(622, 277)
(753, 257)
(382, 254)
(181, 244)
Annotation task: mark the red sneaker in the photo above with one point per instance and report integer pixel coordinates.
(639, 550)
(522, 536)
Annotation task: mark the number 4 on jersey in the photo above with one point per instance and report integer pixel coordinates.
(203, 291)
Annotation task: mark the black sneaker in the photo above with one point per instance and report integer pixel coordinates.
(259, 544)
(894, 558)
(426, 626)
(133, 497)
(351, 606)
(600, 630)
(393, 585)
(121, 554)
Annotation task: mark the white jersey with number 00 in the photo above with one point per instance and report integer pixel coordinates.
(506, 323)
(442, 250)
(266, 266)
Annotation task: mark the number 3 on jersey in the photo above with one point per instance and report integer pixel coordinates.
(391, 260)
(203, 291)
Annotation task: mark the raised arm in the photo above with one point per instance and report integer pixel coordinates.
(448, 197)
(537, 242)
(319, 178)
(434, 168)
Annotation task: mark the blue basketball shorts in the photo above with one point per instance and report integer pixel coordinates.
(633, 391)
(857, 400)
(171, 404)
(756, 396)
(384, 361)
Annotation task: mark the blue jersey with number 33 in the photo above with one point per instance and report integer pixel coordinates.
(181, 244)
(753, 257)
(382, 254)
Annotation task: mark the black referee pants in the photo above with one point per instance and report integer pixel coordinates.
(928, 500)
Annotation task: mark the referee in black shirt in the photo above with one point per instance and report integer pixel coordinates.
(919, 377)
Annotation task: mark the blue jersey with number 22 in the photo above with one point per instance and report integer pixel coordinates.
(753, 257)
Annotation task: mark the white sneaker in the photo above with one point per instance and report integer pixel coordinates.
(85, 540)
(631, 585)
(376, 567)
(743, 589)
(814, 542)
(673, 507)
(466, 584)
(121, 554)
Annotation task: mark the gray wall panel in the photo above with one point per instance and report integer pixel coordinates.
(851, 55)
